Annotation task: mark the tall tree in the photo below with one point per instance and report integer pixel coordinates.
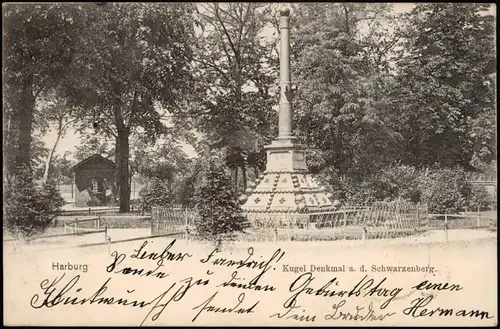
(341, 78)
(237, 67)
(136, 59)
(40, 41)
(54, 111)
(446, 76)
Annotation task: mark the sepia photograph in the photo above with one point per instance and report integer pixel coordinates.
(249, 164)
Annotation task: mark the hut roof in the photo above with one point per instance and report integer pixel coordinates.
(95, 157)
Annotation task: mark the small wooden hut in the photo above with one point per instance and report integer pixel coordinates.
(94, 181)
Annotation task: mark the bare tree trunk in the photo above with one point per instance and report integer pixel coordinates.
(51, 153)
(122, 163)
(346, 14)
(10, 139)
(24, 113)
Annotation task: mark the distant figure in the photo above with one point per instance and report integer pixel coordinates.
(107, 191)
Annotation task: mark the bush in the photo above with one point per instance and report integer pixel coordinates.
(156, 194)
(445, 190)
(219, 212)
(391, 183)
(347, 191)
(184, 191)
(29, 209)
(363, 193)
(478, 196)
(399, 182)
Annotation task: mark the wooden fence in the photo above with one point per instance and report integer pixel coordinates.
(71, 228)
(379, 220)
(172, 220)
(461, 221)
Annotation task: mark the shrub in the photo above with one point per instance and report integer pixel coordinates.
(29, 209)
(476, 196)
(219, 212)
(156, 194)
(347, 191)
(399, 182)
(363, 193)
(444, 190)
(184, 191)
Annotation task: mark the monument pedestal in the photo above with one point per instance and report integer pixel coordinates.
(286, 186)
(284, 155)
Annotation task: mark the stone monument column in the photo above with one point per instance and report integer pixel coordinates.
(286, 186)
(285, 106)
(284, 154)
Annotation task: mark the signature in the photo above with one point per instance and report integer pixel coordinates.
(417, 309)
(361, 313)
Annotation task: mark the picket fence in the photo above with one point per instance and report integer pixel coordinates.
(379, 220)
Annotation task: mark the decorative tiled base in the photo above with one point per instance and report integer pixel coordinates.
(286, 186)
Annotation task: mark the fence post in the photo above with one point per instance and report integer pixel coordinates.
(105, 233)
(75, 225)
(98, 222)
(478, 217)
(446, 225)
(109, 245)
(152, 221)
(275, 235)
(90, 211)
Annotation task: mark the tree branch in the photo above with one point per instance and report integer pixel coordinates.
(110, 131)
(218, 31)
(217, 16)
(212, 65)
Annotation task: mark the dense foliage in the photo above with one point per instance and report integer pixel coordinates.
(218, 208)
(40, 41)
(442, 189)
(446, 85)
(155, 194)
(134, 60)
(28, 208)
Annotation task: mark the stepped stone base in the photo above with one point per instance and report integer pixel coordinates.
(286, 186)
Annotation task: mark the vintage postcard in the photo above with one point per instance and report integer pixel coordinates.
(249, 164)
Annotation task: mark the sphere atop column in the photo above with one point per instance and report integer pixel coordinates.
(285, 11)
